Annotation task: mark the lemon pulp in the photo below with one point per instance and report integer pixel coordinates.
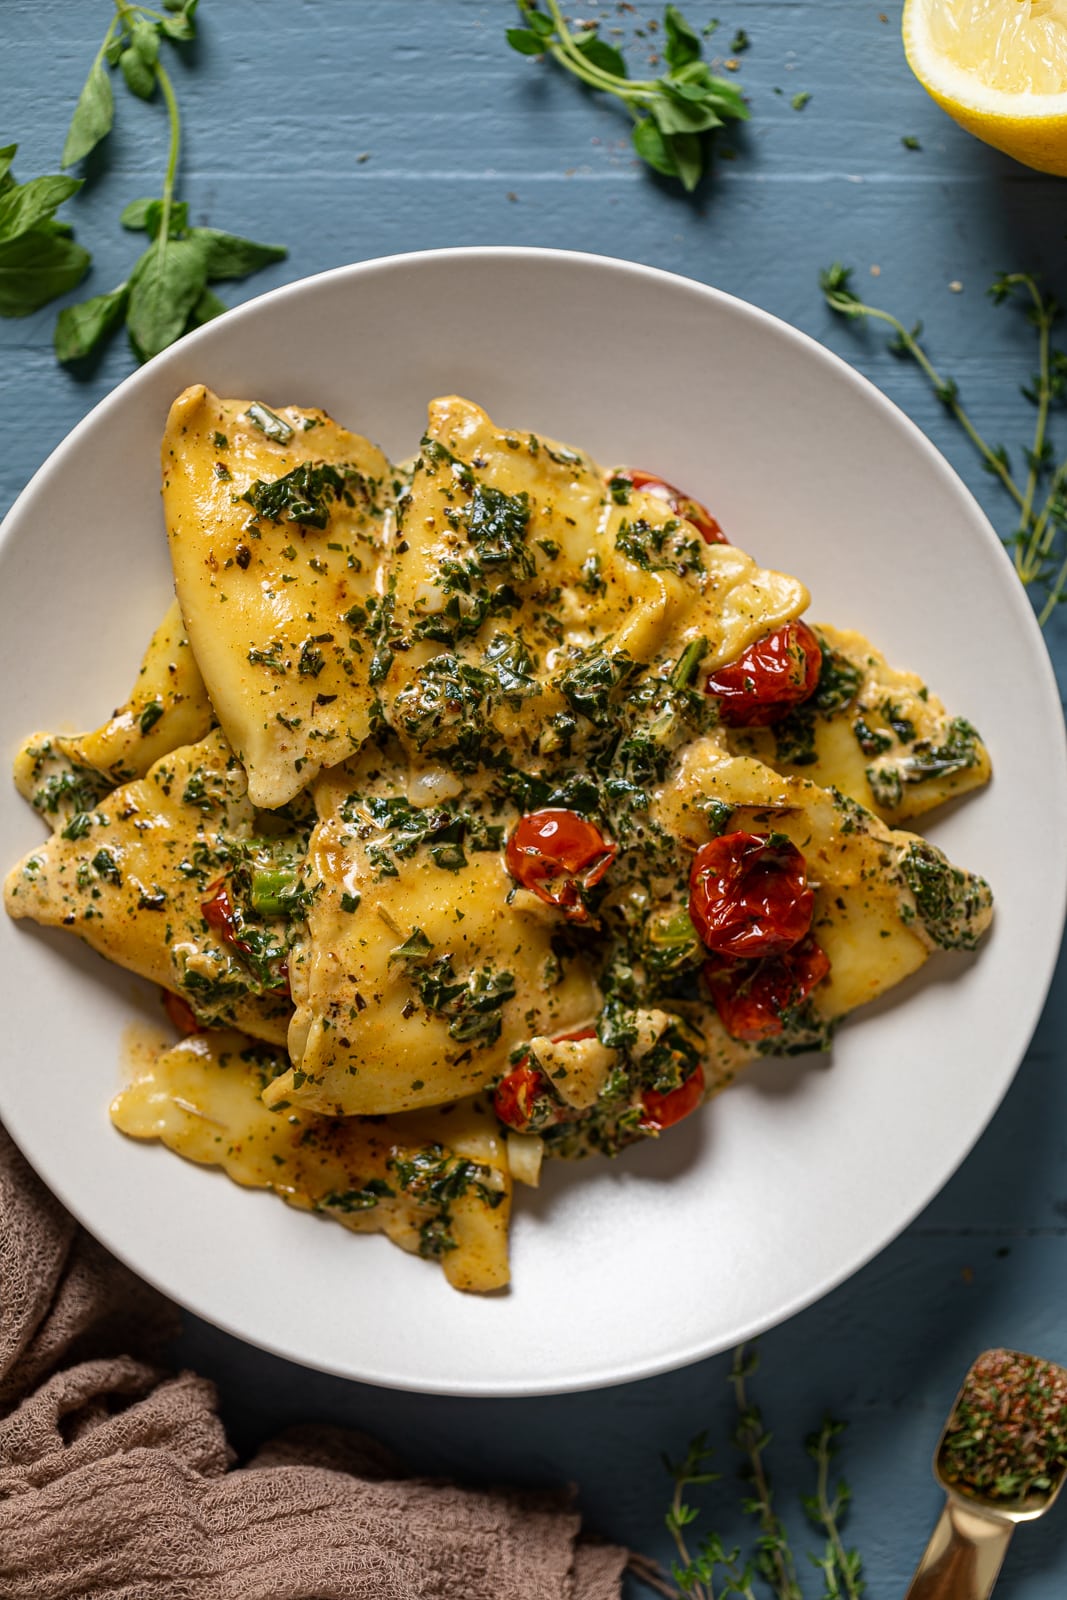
(1013, 46)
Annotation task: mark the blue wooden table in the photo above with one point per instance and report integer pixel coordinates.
(356, 128)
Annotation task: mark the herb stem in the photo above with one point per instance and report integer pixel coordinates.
(568, 54)
(846, 1570)
(163, 79)
(1044, 324)
(945, 391)
(753, 1440)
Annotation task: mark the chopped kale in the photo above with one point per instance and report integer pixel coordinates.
(591, 686)
(496, 527)
(306, 494)
(671, 547)
(952, 904)
(443, 709)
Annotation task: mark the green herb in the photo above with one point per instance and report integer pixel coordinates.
(167, 290)
(349, 1200)
(667, 548)
(672, 113)
(442, 709)
(472, 1003)
(592, 686)
(150, 715)
(910, 142)
(953, 904)
(712, 1569)
(38, 257)
(800, 100)
(496, 526)
(1038, 543)
(739, 42)
(306, 493)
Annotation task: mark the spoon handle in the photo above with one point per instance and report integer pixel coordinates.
(963, 1558)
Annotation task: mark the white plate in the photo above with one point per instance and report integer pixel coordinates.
(797, 1176)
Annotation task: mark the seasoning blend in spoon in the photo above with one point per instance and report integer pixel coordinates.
(1002, 1460)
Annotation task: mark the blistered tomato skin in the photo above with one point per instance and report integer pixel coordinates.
(774, 674)
(750, 996)
(557, 855)
(680, 504)
(749, 896)
(661, 1111)
(181, 1013)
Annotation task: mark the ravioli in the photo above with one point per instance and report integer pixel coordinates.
(416, 976)
(872, 916)
(519, 807)
(61, 773)
(275, 521)
(437, 1184)
(518, 586)
(877, 734)
(130, 879)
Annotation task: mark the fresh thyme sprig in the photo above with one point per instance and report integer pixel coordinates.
(672, 113)
(1038, 543)
(826, 1509)
(712, 1570)
(167, 291)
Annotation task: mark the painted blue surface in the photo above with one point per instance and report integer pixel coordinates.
(467, 143)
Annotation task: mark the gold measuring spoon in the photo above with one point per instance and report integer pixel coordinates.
(1001, 1459)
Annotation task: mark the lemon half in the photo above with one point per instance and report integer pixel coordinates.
(999, 68)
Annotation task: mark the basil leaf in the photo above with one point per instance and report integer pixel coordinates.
(135, 215)
(227, 255)
(651, 146)
(682, 116)
(682, 44)
(688, 157)
(140, 78)
(81, 328)
(207, 308)
(144, 42)
(35, 268)
(93, 116)
(603, 55)
(540, 23)
(525, 42)
(27, 205)
(7, 156)
(165, 285)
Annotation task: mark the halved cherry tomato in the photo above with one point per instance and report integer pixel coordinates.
(557, 854)
(748, 895)
(181, 1013)
(750, 996)
(515, 1097)
(664, 1110)
(772, 676)
(680, 503)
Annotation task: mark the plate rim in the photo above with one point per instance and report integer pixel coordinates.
(1046, 687)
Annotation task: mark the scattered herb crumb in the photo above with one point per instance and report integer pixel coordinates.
(800, 99)
(910, 142)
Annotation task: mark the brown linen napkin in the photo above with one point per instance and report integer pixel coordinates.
(117, 1483)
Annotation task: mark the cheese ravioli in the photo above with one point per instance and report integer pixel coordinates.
(436, 1183)
(275, 521)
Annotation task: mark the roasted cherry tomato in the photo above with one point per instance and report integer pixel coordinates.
(217, 912)
(750, 996)
(181, 1013)
(557, 854)
(664, 1110)
(680, 503)
(773, 675)
(515, 1097)
(220, 916)
(748, 895)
